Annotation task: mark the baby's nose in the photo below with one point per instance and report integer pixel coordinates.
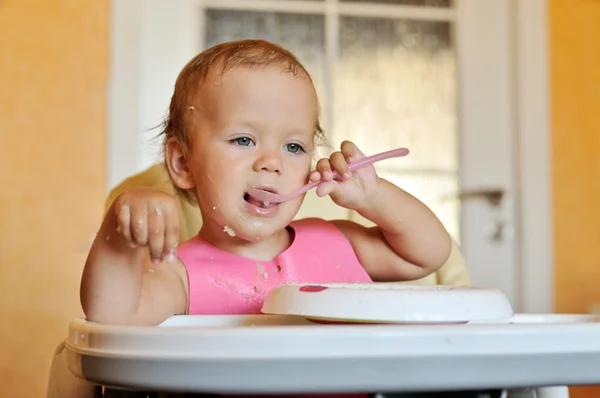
(269, 162)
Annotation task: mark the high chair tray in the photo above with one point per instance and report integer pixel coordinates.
(285, 354)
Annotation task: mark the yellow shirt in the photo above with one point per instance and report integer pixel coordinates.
(453, 272)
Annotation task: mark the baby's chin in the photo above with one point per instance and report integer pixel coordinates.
(239, 224)
(254, 230)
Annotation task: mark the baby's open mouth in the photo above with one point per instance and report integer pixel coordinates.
(258, 203)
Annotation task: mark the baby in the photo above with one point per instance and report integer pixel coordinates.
(245, 114)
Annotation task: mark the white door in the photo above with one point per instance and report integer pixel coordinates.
(436, 76)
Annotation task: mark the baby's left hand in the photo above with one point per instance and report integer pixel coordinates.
(352, 190)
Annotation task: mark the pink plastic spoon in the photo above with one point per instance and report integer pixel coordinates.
(270, 197)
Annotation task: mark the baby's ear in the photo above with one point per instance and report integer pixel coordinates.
(177, 165)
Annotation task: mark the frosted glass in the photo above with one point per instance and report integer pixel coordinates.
(304, 35)
(395, 86)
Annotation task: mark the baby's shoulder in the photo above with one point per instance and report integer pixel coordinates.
(311, 223)
(318, 229)
(194, 243)
(196, 250)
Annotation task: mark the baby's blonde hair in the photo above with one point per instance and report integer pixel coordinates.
(225, 56)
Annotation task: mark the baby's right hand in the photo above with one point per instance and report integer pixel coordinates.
(149, 217)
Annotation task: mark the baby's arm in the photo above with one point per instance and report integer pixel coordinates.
(120, 285)
(408, 242)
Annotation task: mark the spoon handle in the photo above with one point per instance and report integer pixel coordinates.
(394, 153)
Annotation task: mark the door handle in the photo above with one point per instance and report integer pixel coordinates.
(493, 196)
(498, 228)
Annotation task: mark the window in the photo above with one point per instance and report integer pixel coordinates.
(385, 72)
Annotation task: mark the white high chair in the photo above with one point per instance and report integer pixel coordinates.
(64, 384)
(448, 341)
(540, 368)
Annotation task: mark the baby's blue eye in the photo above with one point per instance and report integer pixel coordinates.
(294, 148)
(242, 141)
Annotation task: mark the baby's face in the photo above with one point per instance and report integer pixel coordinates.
(252, 128)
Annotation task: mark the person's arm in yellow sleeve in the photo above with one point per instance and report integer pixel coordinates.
(454, 272)
(153, 177)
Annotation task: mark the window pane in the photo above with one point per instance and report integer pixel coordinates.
(301, 34)
(428, 3)
(395, 86)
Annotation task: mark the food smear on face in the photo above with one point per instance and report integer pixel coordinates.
(229, 231)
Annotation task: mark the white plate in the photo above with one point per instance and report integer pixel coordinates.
(387, 303)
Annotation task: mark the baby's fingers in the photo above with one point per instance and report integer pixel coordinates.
(327, 188)
(351, 151)
(324, 169)
(315, 176)
(156, 234)
(139, 224)
(171, 234)
(123, 213)
(339, 164)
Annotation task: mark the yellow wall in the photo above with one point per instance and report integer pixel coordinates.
(53, 75)
(575, 88)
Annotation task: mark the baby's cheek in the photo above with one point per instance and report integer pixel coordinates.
(308, 170)
(303, 179)
(294, 205)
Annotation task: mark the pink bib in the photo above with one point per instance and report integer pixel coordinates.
(224, 283)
